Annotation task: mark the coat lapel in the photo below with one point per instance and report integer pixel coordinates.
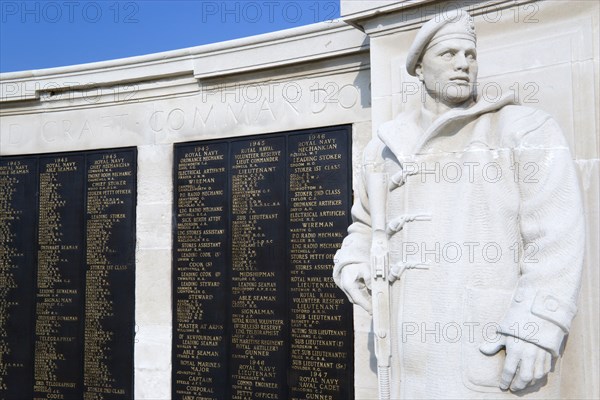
(405, 137)
(403, 133)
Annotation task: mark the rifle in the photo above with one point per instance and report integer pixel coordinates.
(377, 188)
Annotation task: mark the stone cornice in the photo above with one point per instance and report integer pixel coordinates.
(412, 14)
(272, 50)
(355, 10)
(334, 40)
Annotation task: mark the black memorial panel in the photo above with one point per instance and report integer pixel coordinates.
(60, 273)
(110, 275)
(18, 187)
(67, 273)
(258, 288)
(319, 196)
(257, 315)
(200, 251)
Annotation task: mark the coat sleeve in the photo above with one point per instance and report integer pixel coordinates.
(552, 234)
(356, 247)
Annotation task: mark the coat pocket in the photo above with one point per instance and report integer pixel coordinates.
(483, 310)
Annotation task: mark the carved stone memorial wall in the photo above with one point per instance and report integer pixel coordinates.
(256, 312)
(67, 257)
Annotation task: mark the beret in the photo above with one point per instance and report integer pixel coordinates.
(433, 31)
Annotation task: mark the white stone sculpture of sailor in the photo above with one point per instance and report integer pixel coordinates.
(484, 225)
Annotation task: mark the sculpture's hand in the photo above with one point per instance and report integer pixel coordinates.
(525, 362)
(356, 282)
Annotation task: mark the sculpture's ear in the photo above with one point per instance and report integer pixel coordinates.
(419, 71)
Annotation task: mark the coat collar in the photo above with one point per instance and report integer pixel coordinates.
(406, 126)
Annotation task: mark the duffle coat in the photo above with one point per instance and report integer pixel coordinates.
(485, 230)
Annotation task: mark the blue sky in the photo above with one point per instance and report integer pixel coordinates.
(44, 34)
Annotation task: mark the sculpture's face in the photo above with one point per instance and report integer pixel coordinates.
(449, 70)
